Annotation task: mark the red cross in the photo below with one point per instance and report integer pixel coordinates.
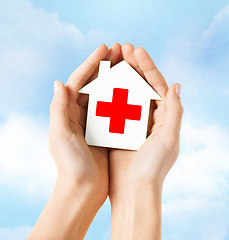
(118, 110)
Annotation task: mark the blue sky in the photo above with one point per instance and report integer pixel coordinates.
(43, 41)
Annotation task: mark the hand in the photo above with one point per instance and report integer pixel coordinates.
(82, 171)
(138, 176)
(151, 163)
(75, 160)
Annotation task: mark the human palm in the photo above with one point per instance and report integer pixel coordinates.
(76, 160)
(152, 161)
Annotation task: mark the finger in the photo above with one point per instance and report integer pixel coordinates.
(84, 71)
(128, 55)
(115, 54)
(58, 109)
(174, 111)
(151, 73)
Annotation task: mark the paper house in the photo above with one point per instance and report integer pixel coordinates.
(118, 107)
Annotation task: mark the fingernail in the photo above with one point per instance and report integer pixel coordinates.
(178, 89)
(55, 86)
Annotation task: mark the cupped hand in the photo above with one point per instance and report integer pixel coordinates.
(149, 166)
(77, 162)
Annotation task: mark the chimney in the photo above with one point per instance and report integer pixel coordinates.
(104, 67)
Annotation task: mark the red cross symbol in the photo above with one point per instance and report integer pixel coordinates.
(118, 110)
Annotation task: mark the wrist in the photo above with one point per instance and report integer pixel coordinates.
(135, 194)
(67, 186)
(69, 211)
(131, 187)
(85, 189)
(136, 210)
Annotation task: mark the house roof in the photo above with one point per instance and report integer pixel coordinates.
(122, 75)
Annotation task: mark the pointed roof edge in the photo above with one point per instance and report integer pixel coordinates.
(144, 82)
(88, 87)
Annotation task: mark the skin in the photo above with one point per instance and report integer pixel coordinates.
(136, 177)
(82, 171)
(86, 175)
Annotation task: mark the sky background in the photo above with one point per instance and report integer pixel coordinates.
(43, 41)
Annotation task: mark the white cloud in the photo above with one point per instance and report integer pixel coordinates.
(30, 39)
(213, 45)
(19, 233)
(196, 190)
(25, 162)
(218, 27)
(195, 200)
(200, 63)
(36, 49)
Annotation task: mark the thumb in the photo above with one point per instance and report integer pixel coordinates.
(174, 111)
(58, 109)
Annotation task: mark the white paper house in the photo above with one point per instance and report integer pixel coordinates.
(118, 107)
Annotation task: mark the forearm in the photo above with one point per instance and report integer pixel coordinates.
(69, 210)
(136, 214)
